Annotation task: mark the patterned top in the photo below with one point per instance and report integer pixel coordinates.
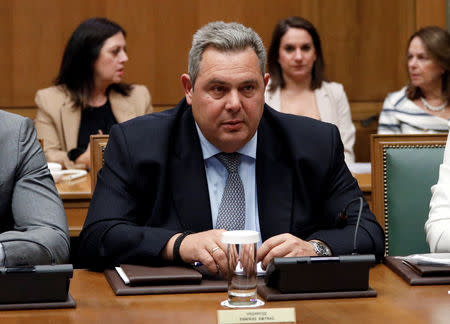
(402, 116)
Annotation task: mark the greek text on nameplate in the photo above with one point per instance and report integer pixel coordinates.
(262, 315)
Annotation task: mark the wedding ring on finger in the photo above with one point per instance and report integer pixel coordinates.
(214, 250)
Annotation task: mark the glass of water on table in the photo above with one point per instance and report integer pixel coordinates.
(241, 256)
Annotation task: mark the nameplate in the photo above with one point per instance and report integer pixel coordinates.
(263, 315)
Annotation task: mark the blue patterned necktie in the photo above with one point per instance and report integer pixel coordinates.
(231, 215)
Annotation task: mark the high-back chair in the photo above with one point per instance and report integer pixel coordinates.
(98, 145)
(404, 167)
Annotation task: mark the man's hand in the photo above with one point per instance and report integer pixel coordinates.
(205, 247)
(283, 245)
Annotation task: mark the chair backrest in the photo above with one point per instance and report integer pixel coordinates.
(98, 145)
(404, 167)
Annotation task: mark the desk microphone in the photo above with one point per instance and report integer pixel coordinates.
(323, 274)
(343, 217)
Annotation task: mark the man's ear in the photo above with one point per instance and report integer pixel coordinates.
(266, 79)
(187, 86)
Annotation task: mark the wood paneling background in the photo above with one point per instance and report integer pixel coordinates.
(364, 42)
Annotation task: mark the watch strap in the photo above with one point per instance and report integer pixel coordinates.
(176, 247)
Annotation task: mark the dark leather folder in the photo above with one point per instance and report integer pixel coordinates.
(166, 286)
(170, 275)
(417, 275)
(429, 270)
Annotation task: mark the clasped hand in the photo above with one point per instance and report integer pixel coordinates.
(283, 245)
(207, 248)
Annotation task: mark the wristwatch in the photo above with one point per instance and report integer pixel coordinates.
(320, 248)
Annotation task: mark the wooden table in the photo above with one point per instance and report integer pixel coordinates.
(76, 196)
(396, 303)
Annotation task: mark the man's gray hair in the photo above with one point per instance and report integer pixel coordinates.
(225, 37)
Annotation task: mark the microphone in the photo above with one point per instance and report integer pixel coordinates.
(343, 217)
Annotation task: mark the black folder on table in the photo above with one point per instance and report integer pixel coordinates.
(146, 280)
(34, 287)
(417, 275)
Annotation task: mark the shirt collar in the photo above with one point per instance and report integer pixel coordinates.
(210, 150)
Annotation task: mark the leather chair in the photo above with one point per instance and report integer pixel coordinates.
(404, 167)
(98, 145)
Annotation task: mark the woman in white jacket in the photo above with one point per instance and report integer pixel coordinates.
(437, 226)
(297, 84)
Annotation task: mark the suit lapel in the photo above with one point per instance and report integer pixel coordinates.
(70, 120)
(121, 107)
(324, 105)
(274, 183)
(189, 184)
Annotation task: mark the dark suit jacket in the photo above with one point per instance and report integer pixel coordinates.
(153, 185)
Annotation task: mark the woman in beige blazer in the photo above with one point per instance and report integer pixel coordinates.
(88, 96)
(297, 84)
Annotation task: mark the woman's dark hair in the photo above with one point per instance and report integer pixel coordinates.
(82, 50)
(437, 44)
(276, 75)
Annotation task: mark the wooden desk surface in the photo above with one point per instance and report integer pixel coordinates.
(76, 196)
(96, 303)
(76, 189)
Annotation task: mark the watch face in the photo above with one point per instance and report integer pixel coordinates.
(321, 249)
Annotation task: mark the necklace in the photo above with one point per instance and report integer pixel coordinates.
(433, 108)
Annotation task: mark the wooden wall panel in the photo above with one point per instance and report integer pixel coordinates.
(431, 12)
(364, 43)
(364, 40)
(6, 55)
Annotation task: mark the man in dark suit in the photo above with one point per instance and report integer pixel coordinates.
(158, 196)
